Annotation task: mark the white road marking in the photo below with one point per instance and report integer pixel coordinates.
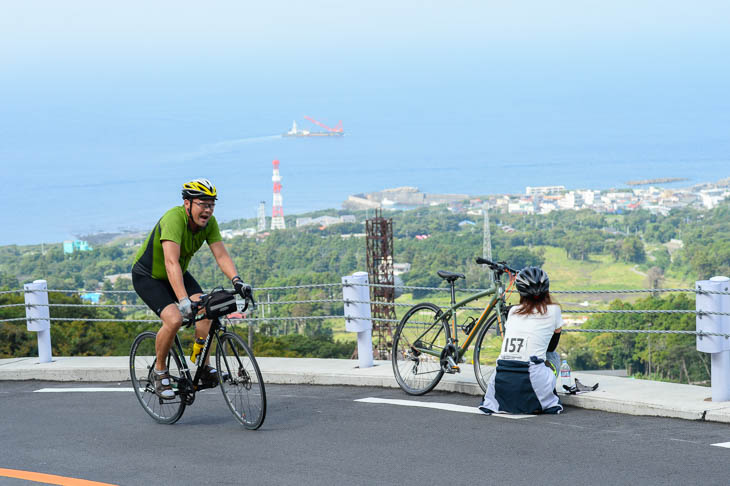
(722, 444)
(89, 389)
(440, 406)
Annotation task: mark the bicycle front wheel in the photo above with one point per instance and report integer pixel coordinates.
(417, 346)
(484, 356)
(241, 381)
(142, 359)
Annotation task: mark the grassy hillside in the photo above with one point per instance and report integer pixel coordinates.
(598, 272)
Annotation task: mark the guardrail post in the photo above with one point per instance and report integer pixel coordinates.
(718, 346)
(38, 315)
(357, 315)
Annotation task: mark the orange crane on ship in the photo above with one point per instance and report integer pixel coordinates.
(338, 128)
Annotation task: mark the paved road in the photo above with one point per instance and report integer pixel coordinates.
(321, 435)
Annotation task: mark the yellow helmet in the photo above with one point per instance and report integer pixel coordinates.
(199, 189)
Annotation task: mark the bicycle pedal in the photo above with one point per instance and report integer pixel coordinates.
(450, 369)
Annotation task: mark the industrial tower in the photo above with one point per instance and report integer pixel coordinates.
(380, 271)
(277, 211)
(262, 217)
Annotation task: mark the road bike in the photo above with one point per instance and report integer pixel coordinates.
(239, 376)
(426, 342)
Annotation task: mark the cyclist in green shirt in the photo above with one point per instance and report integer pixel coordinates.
(160, 276)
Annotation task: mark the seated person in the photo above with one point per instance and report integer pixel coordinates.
(523, 383)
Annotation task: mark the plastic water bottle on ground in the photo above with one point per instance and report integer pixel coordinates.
(565, 374)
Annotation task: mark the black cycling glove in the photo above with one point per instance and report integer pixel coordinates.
(243, 289)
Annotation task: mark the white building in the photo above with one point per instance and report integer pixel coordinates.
(325, 220)
(522, 206)
(712, 197)
(588, 196)
(543, 190)
(229, 233)
(401, 268)
(547, 207)
(571, 200)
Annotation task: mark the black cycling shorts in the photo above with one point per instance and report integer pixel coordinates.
(158, 294)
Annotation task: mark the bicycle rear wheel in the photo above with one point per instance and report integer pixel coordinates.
(241, 381)
(142, 361)
(484, 364)
(417, 346)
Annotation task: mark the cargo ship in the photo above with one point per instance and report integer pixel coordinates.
(295, 131)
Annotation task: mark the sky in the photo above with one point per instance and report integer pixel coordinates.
(140, 83)
(150, 37)
(80, 57)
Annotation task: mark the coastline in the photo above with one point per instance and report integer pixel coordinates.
(406, 198)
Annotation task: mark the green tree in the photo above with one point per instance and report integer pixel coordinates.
(632, 250)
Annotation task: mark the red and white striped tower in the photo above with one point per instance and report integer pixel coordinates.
(277, 211)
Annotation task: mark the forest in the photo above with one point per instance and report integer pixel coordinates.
(687, 245)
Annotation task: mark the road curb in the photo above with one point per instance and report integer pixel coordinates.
(615, 394)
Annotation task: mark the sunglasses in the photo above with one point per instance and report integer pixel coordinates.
(204, 205)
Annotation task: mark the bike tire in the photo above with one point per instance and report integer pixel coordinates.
(483, 367)
(142, 361)
(240, 380)
(418, 373)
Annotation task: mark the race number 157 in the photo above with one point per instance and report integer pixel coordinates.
(513, 345)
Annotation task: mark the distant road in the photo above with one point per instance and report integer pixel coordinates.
(638, 272)
(321, 435)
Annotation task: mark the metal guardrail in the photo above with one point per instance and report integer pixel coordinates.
(38, 309)
(404, 287)
(397, 304)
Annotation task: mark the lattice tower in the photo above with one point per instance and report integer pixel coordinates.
(262, 217)
(277, 210)
(380, 271)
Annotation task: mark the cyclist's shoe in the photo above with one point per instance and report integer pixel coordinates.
(485, 410)
(163, 385)
(210, 375)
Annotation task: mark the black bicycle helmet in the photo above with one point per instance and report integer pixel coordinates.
(199, 189)
(532, 282)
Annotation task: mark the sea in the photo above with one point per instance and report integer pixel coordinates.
(110, 160)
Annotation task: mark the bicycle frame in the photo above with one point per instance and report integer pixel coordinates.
(496, 302)
(194, 381)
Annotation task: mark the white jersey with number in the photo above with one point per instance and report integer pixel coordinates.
(529, 335)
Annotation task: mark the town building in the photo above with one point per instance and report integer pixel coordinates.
(76, 245)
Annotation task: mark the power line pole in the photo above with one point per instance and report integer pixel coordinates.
(487, 242)
(262, 217)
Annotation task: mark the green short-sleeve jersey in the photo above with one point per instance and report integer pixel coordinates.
(173, 226)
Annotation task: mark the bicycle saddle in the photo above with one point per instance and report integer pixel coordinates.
(450, 276)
